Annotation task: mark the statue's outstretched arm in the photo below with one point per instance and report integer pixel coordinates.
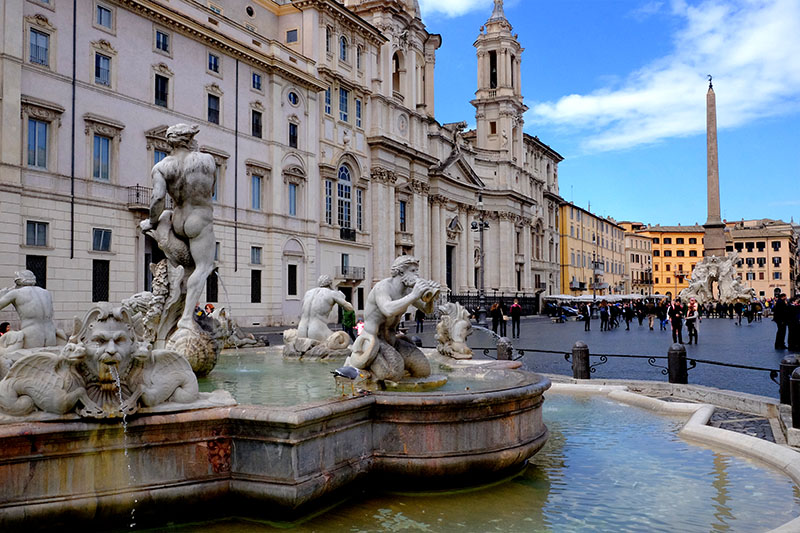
(339, 298)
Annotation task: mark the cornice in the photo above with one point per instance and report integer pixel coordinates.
(344, 16)
(396, 147)
(180, 22)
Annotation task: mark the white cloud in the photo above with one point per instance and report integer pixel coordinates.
(750, 46)
(454, 8)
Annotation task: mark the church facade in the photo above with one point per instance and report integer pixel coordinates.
(320, 117)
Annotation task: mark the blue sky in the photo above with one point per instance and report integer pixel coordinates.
(618, 87)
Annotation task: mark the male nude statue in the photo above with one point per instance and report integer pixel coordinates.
(34, 306)
(317, 305)
(186, 234)
(379, 349)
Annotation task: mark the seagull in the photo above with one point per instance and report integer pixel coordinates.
(349, 374)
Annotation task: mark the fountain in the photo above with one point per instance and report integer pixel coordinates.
(65, 459)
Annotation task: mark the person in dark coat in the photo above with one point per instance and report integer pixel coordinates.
(497, 316)
(676, 318)
(516, 315)
(419, 318)
(793, 324)
(780, 311)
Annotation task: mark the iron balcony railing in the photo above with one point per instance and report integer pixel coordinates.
(347, 234)
(139, 198)
(351, 273)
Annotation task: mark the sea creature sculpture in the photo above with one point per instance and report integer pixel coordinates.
(452, 331)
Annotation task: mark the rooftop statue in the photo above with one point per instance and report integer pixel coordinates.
(34, 305)
(380, 349)
(106, 370)
(313, 337)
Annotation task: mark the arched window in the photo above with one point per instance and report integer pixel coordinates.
(343, 48)
(397, 73)
(344, 196)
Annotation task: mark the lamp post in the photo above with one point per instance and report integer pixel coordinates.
(479, 226)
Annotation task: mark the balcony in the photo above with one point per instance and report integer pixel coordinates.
(350, 273)
(139, 199)
(577, 286)
(403, 238)
(347, 234)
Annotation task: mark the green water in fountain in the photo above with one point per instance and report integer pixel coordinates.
(263, 377)
(606, 467)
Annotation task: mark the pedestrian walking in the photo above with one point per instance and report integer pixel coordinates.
(419, 318)
(692, 320)
(497, 316)
(516, 315)
(604, 316)
(650, 309)
(780, 312)
(628, 311)
(586, 313)
(676, 318)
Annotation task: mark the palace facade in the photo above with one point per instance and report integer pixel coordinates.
(320, 117)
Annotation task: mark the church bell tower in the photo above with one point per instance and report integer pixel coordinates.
(498, 101)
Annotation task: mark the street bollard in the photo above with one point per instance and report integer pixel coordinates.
(580, 361)
(787, 366)
(794, 385)
(676, 362)
(505, 349)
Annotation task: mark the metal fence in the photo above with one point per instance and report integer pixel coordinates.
(529, 302)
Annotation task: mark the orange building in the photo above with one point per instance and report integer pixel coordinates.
(676, 250)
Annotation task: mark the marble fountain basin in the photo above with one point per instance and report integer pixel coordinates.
(267, 461)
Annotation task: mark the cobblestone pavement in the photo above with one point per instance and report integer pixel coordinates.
(746, 423)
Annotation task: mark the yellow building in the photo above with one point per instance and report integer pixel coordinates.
(767, 255)
(592, 253)
(638, 260)
(676, 250)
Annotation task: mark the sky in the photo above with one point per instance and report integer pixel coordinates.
(618, 88)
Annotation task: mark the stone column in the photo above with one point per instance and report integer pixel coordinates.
(464, 268)
(430, 62)
(469, 265)
(436, 237)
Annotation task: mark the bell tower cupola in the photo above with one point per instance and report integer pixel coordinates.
(498, 101)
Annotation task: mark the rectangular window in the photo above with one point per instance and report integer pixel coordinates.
(102, 70)
(38, 265)
(656, 253)
(344, 96)
(667, 253)
(162, 41)
(358, 113)
(692, 253)
(255, 124)
(213, 108)
(158, 155)
(679, 253)
(358, 57)
(255, 192)
(36, 233)
(291, 36)
(101, 240)
(402, 206)
(776, 275)
(255, 255)
(100, 274)
(692, 240)
(37, 143)
(292, 199)
(292, 135)
(255, 286)
(161, 90)
(291, 280)
(760, 275)
(215, 9)
(776, 245)
(328, 202)
(40, 47)
(215, 188)
(328, 101)
(212, 287)
(656, 240)
(776, 261)
(103, 17)
(359, 209)
(679, 240)
(213, 63)
(101, 160)
(667, 240)
(256, 81)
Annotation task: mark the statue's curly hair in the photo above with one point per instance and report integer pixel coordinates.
(401, 263)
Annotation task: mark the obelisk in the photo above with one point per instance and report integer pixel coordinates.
(714, 241)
